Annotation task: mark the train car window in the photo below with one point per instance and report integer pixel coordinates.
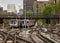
(27, 21)
(13, 22)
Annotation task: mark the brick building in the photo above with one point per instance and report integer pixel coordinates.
(38, 5)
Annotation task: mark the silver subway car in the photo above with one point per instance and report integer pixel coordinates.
(18, 22)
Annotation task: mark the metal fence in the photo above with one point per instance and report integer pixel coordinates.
(31, 16)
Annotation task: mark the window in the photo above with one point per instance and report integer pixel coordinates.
(27, 21)
(13, 22)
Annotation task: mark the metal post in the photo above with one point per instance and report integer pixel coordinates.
(3, 25)
(15, 39)
(25, 18)
(25, 15)
(37, 10)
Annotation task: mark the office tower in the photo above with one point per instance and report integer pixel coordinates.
(28, 5)
(11, 8)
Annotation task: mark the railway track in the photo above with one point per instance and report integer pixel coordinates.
(38, 38)
(18, 40)
(56, 37)
(25, 41)
(35, 38)
(46, 40)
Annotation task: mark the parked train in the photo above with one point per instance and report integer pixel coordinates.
(21, 23)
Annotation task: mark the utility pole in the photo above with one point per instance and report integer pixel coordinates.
(25, 15)
(15, 38)
(37, 10)
(54, 1)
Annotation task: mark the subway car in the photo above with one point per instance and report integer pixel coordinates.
(21, 23)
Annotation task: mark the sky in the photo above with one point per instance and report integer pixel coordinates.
(42, 0)
(18, 3)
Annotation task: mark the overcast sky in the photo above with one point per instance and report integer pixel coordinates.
(42, 0)
(18, 3)
(4, 3)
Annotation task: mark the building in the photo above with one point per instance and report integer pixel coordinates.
(20, 12)
(11, 13)
(11, 8)
(1, 10)
(54, 1)
(5, 11)
(51, 2)
(28, 5)
(58, 1)
(38, 5)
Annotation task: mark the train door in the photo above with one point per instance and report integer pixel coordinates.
(25, 23)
